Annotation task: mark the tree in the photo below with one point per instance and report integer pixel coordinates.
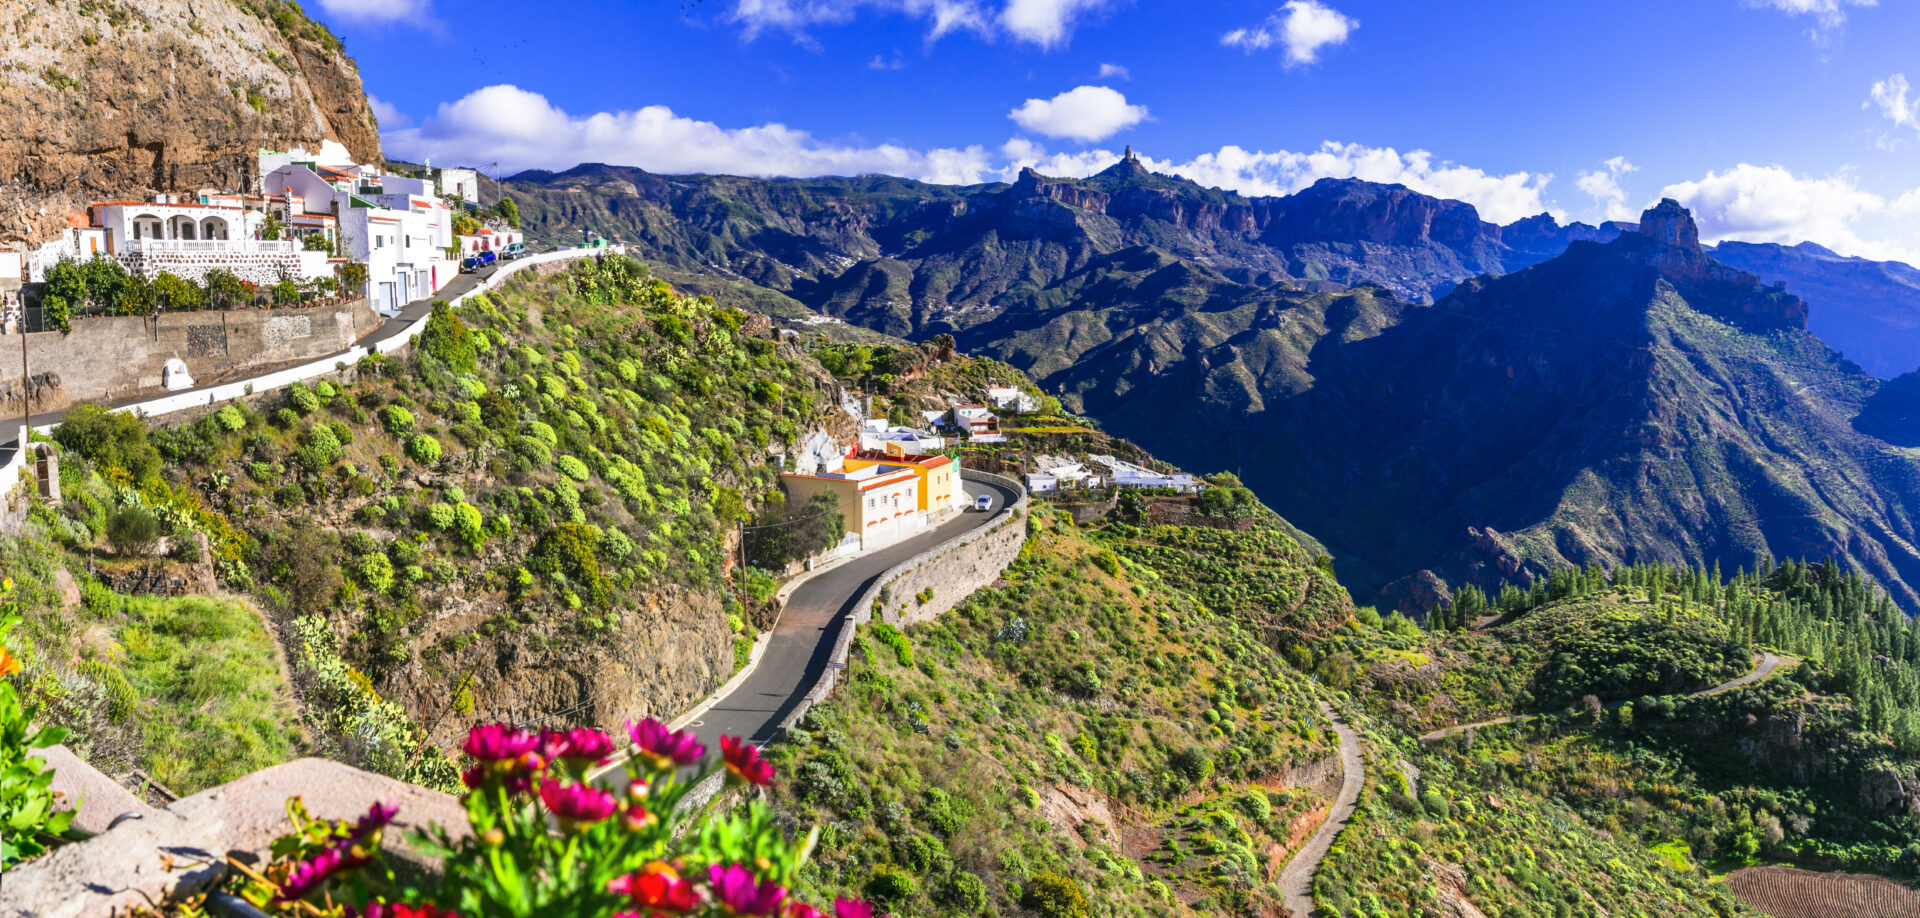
(509, 212)
(464, 225)
(353, 278)
(273, 228)
(111, 440)
(786, 532)
(225, 290)
(176, 294)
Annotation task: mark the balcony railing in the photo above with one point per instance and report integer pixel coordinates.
(219, 246)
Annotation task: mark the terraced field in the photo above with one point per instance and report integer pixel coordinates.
(1790, 892)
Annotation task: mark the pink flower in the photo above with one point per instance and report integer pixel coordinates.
(499, 743)
(851, 908)
(744, 763)
(737, 890)
(309, 875)
(396, 910)
(378, 817)
(580, 744)
(659, 888)
(664, 748)
(576, 805)
(798, 909)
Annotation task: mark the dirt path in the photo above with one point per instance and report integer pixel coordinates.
(1296, 881)
(1765, 667)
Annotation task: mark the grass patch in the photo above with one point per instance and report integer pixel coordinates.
(213, 706)
(1673, 853)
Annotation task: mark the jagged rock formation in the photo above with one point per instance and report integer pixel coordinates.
(116, 100)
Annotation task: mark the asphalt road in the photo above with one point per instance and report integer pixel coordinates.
(803, 639)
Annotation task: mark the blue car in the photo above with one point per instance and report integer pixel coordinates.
(477, 261)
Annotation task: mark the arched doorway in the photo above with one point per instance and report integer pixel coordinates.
(146, 226)
(213, 228)
(182, 228)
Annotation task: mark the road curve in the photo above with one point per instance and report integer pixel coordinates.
(1765, 667)
(1296, 879)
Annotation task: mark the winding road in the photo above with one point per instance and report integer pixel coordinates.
(1296, 879)
(803, 638)
(1765, 667)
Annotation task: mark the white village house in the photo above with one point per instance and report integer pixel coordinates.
(1051, 473)
(1008, 398)
(395, 225)
(1128, 475)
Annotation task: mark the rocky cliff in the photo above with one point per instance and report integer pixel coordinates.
(108, 99)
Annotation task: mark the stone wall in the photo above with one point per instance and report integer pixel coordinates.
(953, 569)
(120, 357)
(263, 268)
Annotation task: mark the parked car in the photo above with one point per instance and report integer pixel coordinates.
(514, 250)
(983, 503)
(478, 260)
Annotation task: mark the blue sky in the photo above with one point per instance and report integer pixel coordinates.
(1776, 120)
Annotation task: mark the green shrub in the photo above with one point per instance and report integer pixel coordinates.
(286, 418)
(231, 418)
(542, 431)
(120, 698)
(1054, 896)
(325, 446)
(890, 636)
(109, 440)
(302, 399)
(132, 531)
(442, 517)
(964, 892)
(1106, 560)
(447, 340)
(572, 468)
(891, 885)
(341, 432)
(397, 420)
(424, 449)
(568, 549)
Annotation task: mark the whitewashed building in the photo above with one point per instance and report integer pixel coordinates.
(1008, 398)
(1128, 475)
(397, 225)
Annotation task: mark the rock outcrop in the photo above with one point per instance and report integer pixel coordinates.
(117, 100)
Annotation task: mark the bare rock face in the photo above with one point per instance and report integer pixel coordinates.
(118, 101)
(1670, 223)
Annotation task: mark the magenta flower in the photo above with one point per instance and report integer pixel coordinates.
(576, 806)
(737, 890)
(582, 744)
(851, 908)
(798, 909)
(744, 763)
(499, 743)
(664, 748)
(378, 817)
(309, 875)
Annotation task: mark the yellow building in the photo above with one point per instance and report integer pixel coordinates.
(880, 500)
(940, 489)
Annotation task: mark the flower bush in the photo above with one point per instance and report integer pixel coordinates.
(564, 823)
(27, 820)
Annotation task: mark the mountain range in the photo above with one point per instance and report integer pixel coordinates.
(1440, 399)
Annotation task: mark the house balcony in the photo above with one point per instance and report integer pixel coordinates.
(213, 246)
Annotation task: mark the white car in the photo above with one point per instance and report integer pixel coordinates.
(983, 503)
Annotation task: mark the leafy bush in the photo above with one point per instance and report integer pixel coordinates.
(324, 444)
(1054, 896)
(424, 449)
(376, 572)
(26, 794)
(891, 885)
(447, 340)
(132, 531)
(110, 440)
(891, 637)
(568, 549)
(302, 399)
(231, 418)
(397, 420)
(965, 892)
(572, 468)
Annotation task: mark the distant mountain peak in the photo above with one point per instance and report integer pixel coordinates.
(1672, 224)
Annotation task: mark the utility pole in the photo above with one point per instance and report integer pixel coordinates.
(26, 380)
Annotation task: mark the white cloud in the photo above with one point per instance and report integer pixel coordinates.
(1115, 72)
(1830, 16)
(1083, 113)
(1770, 204)
(886, 63)
(390, 118)
(1303, 27)
(523, 130)
(1890, 95)
(378, 10)
(1047, 23)
(1604, 188)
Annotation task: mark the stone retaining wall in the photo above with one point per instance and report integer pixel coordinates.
(967, 562)
(104, 359)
